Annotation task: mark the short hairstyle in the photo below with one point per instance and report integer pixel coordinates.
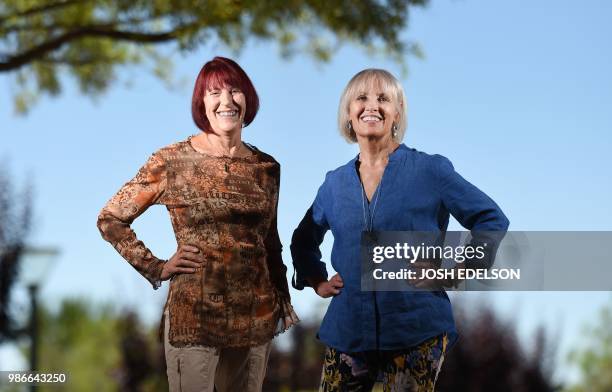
(361, 82)
(218, 73)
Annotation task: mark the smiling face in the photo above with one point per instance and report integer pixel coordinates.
(372, 112)
(225, 109)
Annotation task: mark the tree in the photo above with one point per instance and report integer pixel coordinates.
(489, 357)
(595, 360)
(100, 349)
(143, 361)
(79, 340)
(88, 39)
(300, 368)
(15, 216)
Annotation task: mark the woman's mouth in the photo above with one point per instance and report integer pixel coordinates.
(370, 118)
(227, 113)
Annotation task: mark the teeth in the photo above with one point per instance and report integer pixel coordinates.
(370, 118)
(227, 113)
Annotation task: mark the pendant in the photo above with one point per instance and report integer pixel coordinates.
(370, 237)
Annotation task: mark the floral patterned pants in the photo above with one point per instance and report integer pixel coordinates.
(414, 370)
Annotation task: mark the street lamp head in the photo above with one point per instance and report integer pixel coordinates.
(35, 264)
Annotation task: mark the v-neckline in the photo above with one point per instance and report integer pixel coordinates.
(377, 188)
(356, 163)
(365, 194)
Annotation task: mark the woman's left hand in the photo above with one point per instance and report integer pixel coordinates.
(430, 284)
(329, 288)
(185, 261)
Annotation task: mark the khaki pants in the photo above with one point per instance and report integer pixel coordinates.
(202, 368)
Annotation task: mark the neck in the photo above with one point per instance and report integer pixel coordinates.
(374, 152)
(224, 144)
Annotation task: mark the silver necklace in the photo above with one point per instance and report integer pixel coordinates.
(369, 223)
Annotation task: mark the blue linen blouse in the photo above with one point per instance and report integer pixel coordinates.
(416, 193)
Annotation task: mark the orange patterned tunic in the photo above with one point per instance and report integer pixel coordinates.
(227, 208)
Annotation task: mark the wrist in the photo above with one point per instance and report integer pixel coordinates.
(165, 274)
(315, 283)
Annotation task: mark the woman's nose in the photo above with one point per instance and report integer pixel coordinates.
(371, 105)
(226, 96)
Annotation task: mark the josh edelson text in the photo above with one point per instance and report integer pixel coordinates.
(423, 253)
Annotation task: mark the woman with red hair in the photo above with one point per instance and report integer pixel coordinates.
(228, 293)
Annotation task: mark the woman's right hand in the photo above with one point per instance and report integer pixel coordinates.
(329, 288)
(185, 261)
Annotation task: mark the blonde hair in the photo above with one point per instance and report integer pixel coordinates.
(361, 82)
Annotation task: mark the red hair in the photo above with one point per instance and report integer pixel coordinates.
(218, 73)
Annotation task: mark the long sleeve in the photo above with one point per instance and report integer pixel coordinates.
(274, 248)
(114, 221)
(306, 241)
(475, 211)
(276, 267)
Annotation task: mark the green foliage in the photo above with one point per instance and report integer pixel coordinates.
(88, 39)
(80, 340)
(99, 349)
(595, 360)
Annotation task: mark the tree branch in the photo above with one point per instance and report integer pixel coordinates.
(16, 61)
(131, 22)
(40, 9)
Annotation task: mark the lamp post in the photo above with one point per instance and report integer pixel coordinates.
(35, 265)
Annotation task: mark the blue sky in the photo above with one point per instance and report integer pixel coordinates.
(518, 95)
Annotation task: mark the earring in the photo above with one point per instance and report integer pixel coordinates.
(394, 130)
(351, 132)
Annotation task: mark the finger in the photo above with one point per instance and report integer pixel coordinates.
(334, 290)
(189, 248)
(192, 257)
(184, 270)
(421, 285)
(336, 284)
(421, 264)
(188, 263)
(428, 285)
(416, 282)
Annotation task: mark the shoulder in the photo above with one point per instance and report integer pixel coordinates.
(262, 156)
(337, 180)
(341, 172)
(423, 161)
(171, 150)
(166, 157)
(266, 161)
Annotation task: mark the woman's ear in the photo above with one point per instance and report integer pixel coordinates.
(397, 113)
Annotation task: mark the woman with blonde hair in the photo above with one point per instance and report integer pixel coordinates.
(399, 337)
